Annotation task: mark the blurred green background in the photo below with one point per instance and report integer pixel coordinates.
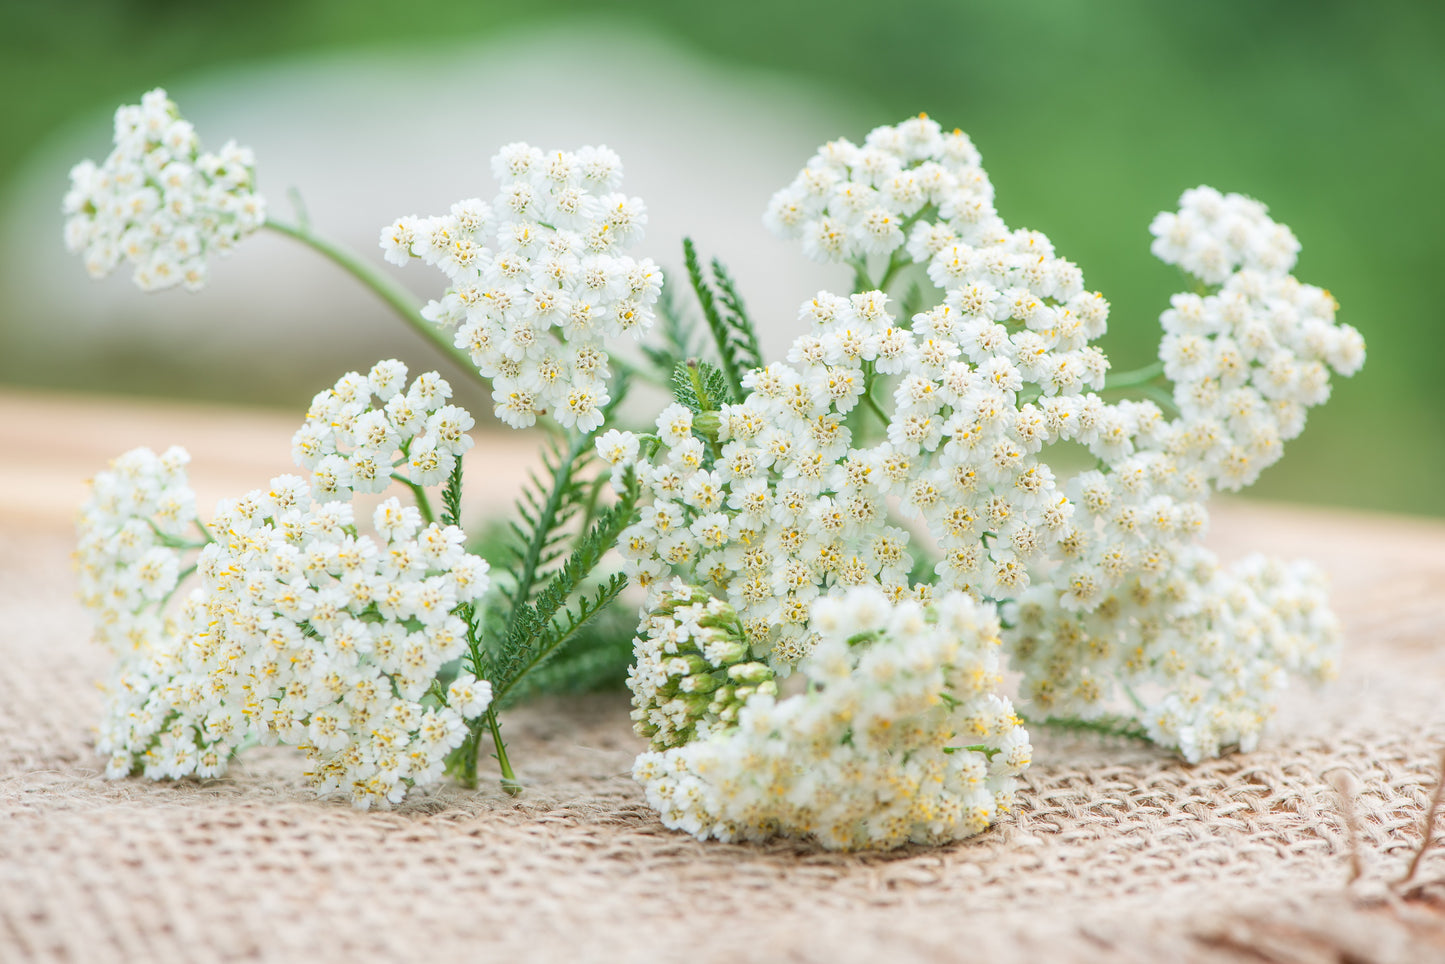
(1091, 118)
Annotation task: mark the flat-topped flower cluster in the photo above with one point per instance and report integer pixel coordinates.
(786, 496)
(303, 629)
(351, 445)
(160, 202)
(854, 201)
(901, 736)
(1204, 652)
(538, 280)
(839, 551)
(132, 534)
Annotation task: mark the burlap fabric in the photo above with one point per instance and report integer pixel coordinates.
(1117, 852)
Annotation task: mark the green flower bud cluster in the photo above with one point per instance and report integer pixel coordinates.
(693, 670)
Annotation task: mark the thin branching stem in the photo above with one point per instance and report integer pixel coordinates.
(418, 491)
(895, 265)
(1104, 726)
(875, 408)
(1139, 376)
(397, 297)
(509, 779)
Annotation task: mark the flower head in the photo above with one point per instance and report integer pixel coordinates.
(900, 736)
(159, 201)
(790, 499)
(365, 431)
(538, 281)
(305, 629)
(308, 632)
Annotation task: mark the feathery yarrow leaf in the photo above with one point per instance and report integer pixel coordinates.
(699, 387)
(452, 497)
(742, 336)
(732, 331)
(532, 634)
(676, 334)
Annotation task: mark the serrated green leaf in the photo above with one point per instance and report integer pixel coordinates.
(452, 497)
(733, 334)
(741, 333)
(537, 626)
(699, 386)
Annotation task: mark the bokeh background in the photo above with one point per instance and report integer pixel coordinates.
(1091, 117)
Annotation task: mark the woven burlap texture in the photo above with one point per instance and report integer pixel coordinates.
(1117, 852)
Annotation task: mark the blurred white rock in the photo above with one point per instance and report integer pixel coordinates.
(368, 136)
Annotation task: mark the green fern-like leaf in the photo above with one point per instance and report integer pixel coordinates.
(732, 330)
(549, 637)
(683, 389)
(548, 503)
(452, 497)
(595, 658)
(699, 386)
(741, 332)
(537, 629)
(675, 339)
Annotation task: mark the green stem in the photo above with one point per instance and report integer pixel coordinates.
(1104, 726)
(987, 751)
(632, 371)
(419, 493)
(1160, 397)
(1134, 698)
(174, 542)
(874, 407)
(589, 508)
(895, 264)
(462, 762)
(398, 298)
(1139, 376)
(870, 378)
(509, 779)
(861, 281)
(181, 577)
(527, 572)
(465, 769)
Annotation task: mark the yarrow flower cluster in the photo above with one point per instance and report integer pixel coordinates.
(303, 630)
(826, 543)
(901, 736)
(159, 201)
(852, 202)
(1213, 235)
(770, 503)
(351, 445)
(307, 633)
(1247, 361)
(983, 381)
(539, 282)
(1205, 651)
(132, 544)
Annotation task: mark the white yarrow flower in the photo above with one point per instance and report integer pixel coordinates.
(539, 283)
(158, 201)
